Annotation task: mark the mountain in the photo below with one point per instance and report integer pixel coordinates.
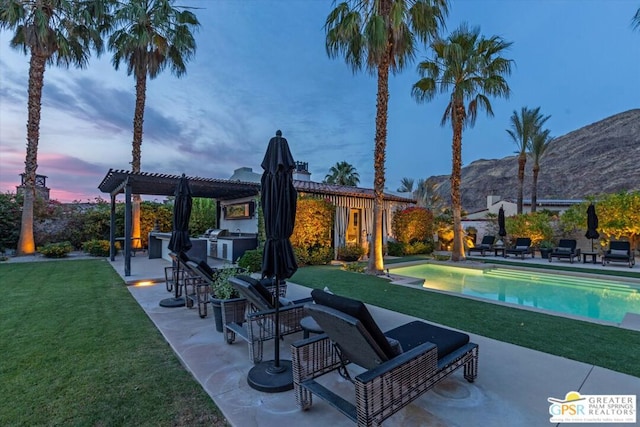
(603, 157)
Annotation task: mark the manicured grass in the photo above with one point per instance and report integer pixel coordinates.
(77, 349)
(606, 346)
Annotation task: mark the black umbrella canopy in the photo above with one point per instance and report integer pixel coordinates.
(501, 223)
(180, 241)
(279, 199)
(592, 223)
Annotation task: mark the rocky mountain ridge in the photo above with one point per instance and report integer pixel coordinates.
(603, 157)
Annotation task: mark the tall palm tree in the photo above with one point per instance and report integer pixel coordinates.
(427, 196)
(343, 173)
(523, 128)
(380, 36)
(406, 185)
(470, 68)
(149, 36)
(539, 144)
(51, 32)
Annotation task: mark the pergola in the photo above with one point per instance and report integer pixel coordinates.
(155, 184)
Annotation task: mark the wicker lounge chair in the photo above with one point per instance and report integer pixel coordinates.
(200, 278)
(400, 365)
(258, 324)
(484, 246)
(521, 248)
(619, 251)
(566, 249)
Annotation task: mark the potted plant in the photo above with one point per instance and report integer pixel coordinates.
(224, 294)
(546, 246)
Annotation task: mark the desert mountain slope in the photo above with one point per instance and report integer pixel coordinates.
(603, 157)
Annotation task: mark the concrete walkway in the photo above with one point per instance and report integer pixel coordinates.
(511, 389)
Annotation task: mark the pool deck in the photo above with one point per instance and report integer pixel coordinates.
(511, 390)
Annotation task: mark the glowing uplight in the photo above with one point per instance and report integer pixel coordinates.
(144, 283)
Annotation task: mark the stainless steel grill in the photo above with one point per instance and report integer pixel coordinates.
(212, 234)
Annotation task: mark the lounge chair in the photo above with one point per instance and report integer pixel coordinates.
(566, 249)
(400, 365)
(521, 248)
(485, 245)
(200, 277)
(259, 323)
(619, 251)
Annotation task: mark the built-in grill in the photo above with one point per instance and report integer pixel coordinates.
(212, 234)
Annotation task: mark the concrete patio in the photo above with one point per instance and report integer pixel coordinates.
(511, 389)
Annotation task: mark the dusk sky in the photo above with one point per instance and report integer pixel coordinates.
(261, 66)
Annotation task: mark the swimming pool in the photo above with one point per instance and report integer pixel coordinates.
(600, 299)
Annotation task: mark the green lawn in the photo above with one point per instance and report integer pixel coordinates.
(606, 346)
(77, 349)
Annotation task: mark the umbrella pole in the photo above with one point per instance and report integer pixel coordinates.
(273, 376)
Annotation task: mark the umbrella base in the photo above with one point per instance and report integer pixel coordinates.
(265, 377)
(173, 302)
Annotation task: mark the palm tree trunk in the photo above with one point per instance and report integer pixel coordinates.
(26, 242)
(534, 188)
(522, 160)
(138, 121)
(457, 252)
(376, 261)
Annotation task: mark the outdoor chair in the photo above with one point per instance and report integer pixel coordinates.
(201, 278)
(566, 249)
(619, 251)
(176, 273)
(521, 248)
(258, 324)
(484, 246)
(399, 365)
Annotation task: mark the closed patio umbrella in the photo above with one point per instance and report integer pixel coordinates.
(278, 199)
(502, 230)
(592, 224)
(180, 242)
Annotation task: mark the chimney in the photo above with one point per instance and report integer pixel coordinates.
(302, 172)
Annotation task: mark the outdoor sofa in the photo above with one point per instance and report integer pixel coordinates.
(399, 365)
(566, 249)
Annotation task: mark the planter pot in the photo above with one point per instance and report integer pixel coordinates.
(233, 311)
(544, 253)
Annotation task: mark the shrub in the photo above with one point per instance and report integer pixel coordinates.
(351, 252)
(99, 248)
(56, 250)
(356, 267)
(413, 224)
(251, 260)
(395, 248)
(320, 255)
(221, 287)
(418, 248)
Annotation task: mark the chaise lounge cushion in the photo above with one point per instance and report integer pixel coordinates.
(619, 252)
(206, 268)
(259, 288)
(415, 333)
(358, 310)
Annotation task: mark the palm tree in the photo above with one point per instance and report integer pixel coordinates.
(406, 185)
(149, 36)
(539, 144)
(523, 127)
(343, 174)
(635, 21)
(60, 32)
(380, 36)
(470, 66)
(427, 196)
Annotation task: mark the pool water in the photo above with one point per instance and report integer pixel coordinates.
(600, 299)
